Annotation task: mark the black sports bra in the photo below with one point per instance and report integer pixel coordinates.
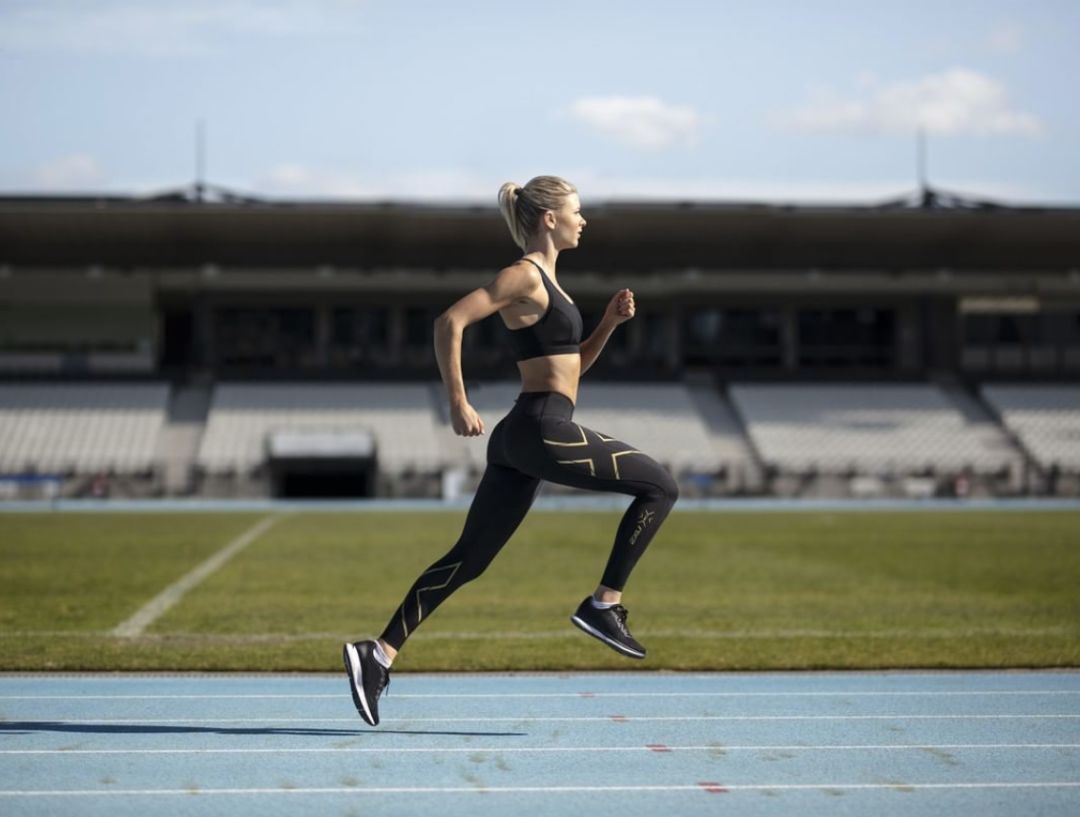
(558, 332)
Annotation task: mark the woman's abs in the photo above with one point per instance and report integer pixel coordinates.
(559, 373)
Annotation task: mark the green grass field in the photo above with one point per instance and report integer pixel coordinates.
(733, 590)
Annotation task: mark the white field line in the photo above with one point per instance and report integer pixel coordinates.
(544, 635)
(584, 695)
(551, 749)
(701, 787)
(569, 719)
(154, 608)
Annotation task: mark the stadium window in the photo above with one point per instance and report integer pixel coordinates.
(265, 337)
(1008, 330)
(863, 337)
(703, 328)
(1053, 327)
(750, 337)
(488, 333)
(358, 335)
(980, 329)
(657, 337)
(418, 327)
(487, 342)
(739, 337)
(590, 318)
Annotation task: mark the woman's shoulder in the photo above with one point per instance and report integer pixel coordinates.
(523, 264)
(517, 281)
(520, 274)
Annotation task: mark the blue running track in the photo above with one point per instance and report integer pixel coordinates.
(808, 744)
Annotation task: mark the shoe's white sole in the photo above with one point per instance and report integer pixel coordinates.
(356, 679)
(615, 645)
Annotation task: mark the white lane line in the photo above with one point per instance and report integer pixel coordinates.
(154, 608)
(699, 787)
(532, 719)
(551, 749)
(585, 695)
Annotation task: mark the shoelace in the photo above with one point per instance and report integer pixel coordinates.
(384, 684)
(620, 617)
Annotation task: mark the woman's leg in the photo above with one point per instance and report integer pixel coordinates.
(578, 456)
(502, 499)
(583, 458)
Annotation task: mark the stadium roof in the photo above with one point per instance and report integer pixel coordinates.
(205, 225)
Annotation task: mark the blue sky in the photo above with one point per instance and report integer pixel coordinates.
(357, 99)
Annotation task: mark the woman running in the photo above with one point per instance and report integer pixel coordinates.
(537, 440)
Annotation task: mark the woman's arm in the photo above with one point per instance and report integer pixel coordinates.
(509, 285)
(619, 310)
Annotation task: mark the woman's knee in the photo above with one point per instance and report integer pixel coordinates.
(471, 570)
(667, 489)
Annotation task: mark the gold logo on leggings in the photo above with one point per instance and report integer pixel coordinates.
(588, 461)
(591, 462)
(573, 444)
(643, 520)
(419, 609)
(615, 460)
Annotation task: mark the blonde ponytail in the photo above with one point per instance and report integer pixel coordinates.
(508, 197)
(523, 207)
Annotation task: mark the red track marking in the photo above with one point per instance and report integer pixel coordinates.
(713, 788)
(619, 718)
(587, 694)
(657, 747)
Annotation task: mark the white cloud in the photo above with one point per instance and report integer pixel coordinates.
(160, 29)
(1006, 38)
(77, 171)
(640, 122)
(958, 100)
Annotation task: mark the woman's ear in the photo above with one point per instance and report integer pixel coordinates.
(549, 219)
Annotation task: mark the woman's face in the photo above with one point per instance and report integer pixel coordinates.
(568, 223)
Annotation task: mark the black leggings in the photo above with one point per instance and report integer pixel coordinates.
(538, 441)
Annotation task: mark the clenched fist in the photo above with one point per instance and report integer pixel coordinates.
(465, 421)
(621, 306)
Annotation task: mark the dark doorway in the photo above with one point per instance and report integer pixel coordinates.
(321, 478)
(178, 338)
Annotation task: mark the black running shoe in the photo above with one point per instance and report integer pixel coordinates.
(367, 678)
(609, 626)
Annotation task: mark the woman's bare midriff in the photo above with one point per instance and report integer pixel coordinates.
(559, 373)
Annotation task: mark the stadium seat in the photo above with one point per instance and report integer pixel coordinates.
(868, 428)
(400, 416)
(80, 427)
(1046, 418)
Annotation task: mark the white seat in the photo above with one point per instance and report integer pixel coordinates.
(400, 416)
(84, 426)
(1046, 418)
(877, 427)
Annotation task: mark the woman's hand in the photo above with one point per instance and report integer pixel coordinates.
(621, 307)
(465, 421)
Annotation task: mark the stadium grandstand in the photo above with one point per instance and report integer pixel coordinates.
(193, 345)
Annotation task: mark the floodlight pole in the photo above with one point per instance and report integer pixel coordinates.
(200, 159)
(925, 193)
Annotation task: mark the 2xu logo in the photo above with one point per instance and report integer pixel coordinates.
(643, 521)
